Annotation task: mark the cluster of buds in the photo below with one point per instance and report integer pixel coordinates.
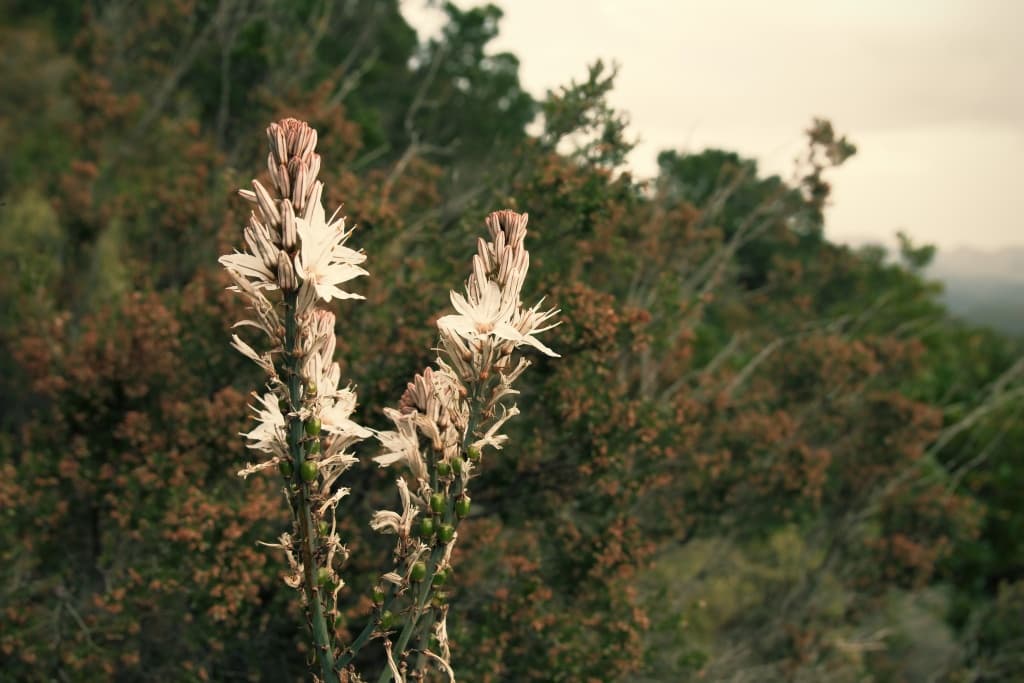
(447, 418)
(297, 258)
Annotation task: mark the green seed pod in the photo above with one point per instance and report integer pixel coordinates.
(377, 595)
(426, 527)
(310, 388)
(439, 578)
(457, 465)
(323, 527)
(418, 571)
(287, 469)
(323, 575)
(309, 470)
(314, 446)
(313, 426)
(437, 502)
(474, 453)
(446, 533)
(443, 469)
(462, 506)
(386, 619)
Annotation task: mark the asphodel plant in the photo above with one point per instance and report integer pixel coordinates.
(449, 417)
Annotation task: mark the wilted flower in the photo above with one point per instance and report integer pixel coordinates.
(269, 433)
(402, 445)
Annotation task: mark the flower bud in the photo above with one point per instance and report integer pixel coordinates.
(286, 467)
(286, 278)
(457, 465)
(314, 165)
(277, 142)
(268, 208)
(386, 619)
(313, 426)
(299, 187)
(289, 232)
(283, 181)
(462, 506)
(474, 453)
(310, 388)
(418, 571)
(309, 470)
(377, 595)
(437, 502)
(446, 532)
(444, 469)
(439, 578)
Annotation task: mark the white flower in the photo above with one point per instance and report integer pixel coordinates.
(335, 418)
(480, 315)
(323, 261)
(489, 314)
(269, 435)
(491, 436)
(529, 322)
(250, 267)
(403, 445)
(262, 359)
(389, 522)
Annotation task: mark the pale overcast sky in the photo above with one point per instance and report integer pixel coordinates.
(930, 91)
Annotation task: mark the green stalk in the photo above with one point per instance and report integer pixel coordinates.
(352, 650)
(438, 552)
(403, 638)
(322, 640)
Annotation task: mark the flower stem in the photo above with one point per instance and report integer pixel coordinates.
(403, 638)
(437, 554)
(321, 638)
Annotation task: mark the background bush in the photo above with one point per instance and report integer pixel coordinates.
(764, 456)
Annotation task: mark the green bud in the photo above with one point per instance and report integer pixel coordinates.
(386, 619)
(324, 528)
(287, 469)
(437, 502)
(426, 527)
(313, 426)
(308, 470)
(418, 571)
(462, 506)
(439, 578)
(457, 465)
(314, 446)
(323, 575)
(310, 388)
(377, 595)
(446, 533)
(443, 469)
(474, 453)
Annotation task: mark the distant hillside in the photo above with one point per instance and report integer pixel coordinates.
(984, 287)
